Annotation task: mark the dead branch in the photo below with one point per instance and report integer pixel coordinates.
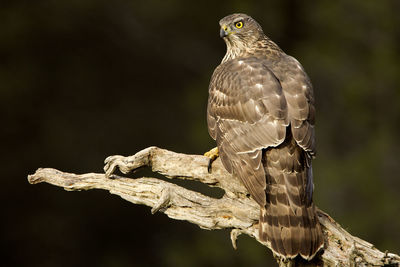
(235, 210)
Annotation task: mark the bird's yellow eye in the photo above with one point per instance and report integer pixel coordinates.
(239, 24)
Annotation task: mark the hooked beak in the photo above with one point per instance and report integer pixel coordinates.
(224, 31)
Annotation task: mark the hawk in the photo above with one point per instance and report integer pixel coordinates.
(261, 114)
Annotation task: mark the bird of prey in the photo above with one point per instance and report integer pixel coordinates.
(261, 114)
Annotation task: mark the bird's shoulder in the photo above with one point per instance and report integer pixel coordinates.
(282, 67)
(243, 73)
(248, 89)
(241, 63)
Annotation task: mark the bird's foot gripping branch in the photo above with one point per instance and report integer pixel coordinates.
(235, 210)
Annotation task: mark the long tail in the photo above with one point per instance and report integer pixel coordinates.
(289, 220)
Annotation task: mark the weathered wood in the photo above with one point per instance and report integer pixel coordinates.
(235, 210)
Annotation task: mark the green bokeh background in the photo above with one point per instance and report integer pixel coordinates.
(81, 80)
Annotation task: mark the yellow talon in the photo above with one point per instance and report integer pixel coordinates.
(213, 154)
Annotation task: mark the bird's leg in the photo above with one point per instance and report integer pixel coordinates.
(213, 154)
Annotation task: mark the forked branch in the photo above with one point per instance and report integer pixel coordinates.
(235, 210)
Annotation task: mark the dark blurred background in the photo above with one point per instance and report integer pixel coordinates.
(82, 80)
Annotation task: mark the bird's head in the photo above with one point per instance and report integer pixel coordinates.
(240, 31)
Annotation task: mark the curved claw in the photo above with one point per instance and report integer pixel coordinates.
(213, 154)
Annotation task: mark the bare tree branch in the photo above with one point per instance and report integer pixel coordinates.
(235, 210)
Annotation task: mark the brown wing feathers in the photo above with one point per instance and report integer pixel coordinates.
(246, 120)
(287, 220)
(261, 114)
